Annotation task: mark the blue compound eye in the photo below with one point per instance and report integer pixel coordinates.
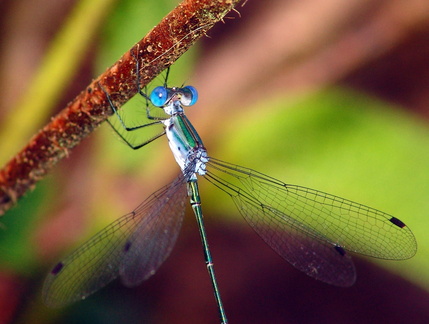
(158, 97)
(190, 96)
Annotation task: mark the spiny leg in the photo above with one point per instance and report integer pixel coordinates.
(143, 94)
(156, 120)
(130, 129)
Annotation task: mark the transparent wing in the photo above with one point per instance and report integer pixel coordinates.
(134, 246)
(149, 246)
(309, 228)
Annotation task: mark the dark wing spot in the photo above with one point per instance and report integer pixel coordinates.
(57, 268)
(340, 250)
(127, 246)
(5, 199)
(397, 222)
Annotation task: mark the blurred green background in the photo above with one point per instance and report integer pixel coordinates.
(324, 94)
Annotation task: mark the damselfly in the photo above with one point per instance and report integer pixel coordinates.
(309, 228)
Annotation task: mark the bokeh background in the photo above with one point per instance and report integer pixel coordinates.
(330, 94)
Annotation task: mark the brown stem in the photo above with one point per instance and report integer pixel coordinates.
(160, 48)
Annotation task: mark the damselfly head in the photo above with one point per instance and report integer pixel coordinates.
(162, 96)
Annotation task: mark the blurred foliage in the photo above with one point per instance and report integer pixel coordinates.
(333, 139)
(65, 54)
(18, 252)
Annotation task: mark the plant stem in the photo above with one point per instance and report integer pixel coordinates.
(159, 49)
